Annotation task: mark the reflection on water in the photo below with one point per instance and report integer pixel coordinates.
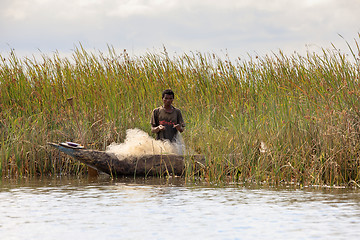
(159, 209)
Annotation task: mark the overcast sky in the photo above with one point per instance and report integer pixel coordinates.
(238, 27)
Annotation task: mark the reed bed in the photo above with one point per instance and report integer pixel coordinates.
(278, 118)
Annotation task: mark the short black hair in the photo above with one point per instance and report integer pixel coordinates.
(168, 92)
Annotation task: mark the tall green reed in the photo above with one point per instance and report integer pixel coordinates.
(275, 118)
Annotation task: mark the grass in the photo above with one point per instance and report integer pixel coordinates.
(269, 119)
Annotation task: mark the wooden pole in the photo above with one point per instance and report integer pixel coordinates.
(91, 171)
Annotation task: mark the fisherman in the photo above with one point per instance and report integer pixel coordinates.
(166, 120)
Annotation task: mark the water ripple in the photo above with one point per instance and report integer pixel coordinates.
(80, 209)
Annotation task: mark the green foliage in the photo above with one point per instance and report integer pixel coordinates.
(276, 118)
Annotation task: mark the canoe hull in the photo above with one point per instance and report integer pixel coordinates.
(147, 165)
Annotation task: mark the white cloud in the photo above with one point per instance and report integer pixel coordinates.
(240, 26)
(130, 8)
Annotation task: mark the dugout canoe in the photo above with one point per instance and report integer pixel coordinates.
(147, 165)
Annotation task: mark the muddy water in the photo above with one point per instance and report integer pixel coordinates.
(63, 208)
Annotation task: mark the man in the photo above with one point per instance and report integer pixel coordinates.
(167, 121)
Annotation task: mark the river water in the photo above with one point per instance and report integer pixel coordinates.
(82, 208)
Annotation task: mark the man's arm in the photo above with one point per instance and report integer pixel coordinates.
(155, 128)
(181, 124)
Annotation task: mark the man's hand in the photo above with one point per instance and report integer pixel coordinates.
(158, 129)
(178, 127)
(161, 128)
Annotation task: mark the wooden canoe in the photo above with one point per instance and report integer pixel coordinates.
(147, 165)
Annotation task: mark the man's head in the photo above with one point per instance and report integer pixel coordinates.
(168, 92)
(167, 97)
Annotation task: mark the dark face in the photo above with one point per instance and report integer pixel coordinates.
(168, 99)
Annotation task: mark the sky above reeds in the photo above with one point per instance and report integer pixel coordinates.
(233, 27)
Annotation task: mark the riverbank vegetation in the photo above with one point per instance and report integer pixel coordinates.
(268, 119)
